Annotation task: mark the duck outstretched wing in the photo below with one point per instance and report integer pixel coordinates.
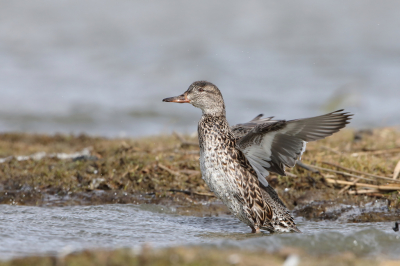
(272, 145)
(240, 130)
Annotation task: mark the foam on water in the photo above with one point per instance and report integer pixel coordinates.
(26, 230)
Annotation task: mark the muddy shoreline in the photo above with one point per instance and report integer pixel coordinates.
(62, 170)
(346, 178)
(197, 256)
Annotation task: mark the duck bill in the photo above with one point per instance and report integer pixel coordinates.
(178, 99)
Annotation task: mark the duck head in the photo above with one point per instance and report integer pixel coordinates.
(203, 95)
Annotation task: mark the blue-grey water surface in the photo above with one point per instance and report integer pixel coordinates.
(27, 230)
(103, 67)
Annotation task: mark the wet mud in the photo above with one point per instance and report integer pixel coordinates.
(197, 256)
(60, 170)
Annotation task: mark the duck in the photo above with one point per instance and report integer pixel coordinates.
(235, 161)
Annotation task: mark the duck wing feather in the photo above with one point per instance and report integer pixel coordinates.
(240, 130)
(272, 145)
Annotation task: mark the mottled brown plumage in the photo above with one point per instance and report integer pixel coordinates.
(234, 161)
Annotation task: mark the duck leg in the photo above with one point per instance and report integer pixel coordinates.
(255, 230)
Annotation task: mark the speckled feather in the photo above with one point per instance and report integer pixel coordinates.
(229, 175)
(234, 161)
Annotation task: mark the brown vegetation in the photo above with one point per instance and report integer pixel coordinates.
(195, 256)
(347, 166)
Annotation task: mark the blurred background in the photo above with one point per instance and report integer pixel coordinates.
(103, 67)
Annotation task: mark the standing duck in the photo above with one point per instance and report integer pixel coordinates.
(235, 161)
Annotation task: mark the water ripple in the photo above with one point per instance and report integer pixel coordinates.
(29, 230)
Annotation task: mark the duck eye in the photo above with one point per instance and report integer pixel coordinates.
(201, 89)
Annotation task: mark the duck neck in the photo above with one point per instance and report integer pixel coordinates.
(215, 111)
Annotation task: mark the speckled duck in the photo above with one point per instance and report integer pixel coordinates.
(235, 161)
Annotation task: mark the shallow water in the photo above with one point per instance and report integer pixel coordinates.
(26, 230)
(102, 67)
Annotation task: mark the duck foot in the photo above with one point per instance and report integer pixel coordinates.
(396, 226)
(255, 230)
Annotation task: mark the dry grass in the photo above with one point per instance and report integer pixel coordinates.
(370, 157)
(167, 165)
